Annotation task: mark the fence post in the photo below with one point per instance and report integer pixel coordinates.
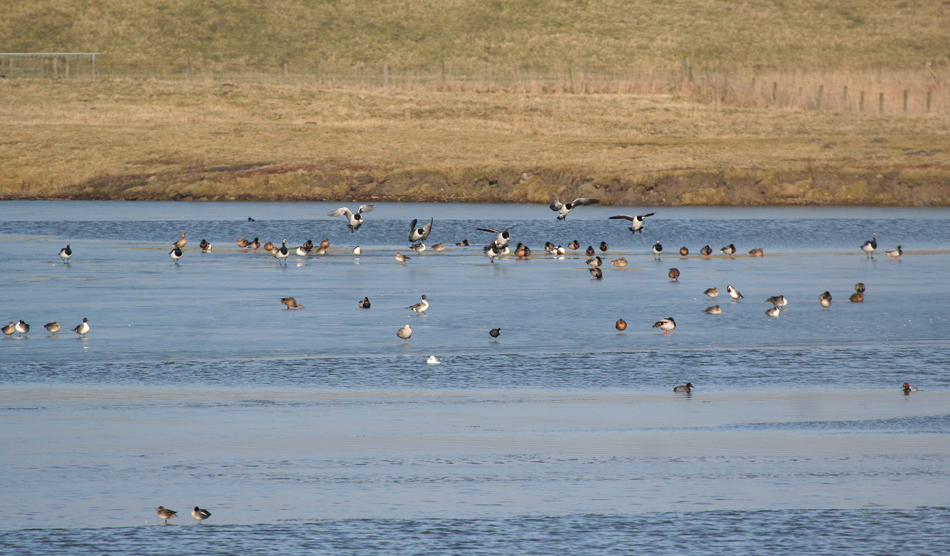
(689, 70)
(905, 101)
(442, 70)
(385, 75)
(880, 103)
(821, 93)
(93, 67)
(861, 102)
(774, 91)
(67, 68)
(285, 73)
(928, 102)
(752, 87)
(484, 72)
(844, 97)
(725, 83)
(188, 70)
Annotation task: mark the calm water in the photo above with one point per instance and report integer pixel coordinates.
(318, 431)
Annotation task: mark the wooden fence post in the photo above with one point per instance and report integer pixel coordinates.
(861, 102)
(844, 98)
(285, 73)
(442, 70)
(905, 101)
(928, 102)
(880, 103)
(821, 93)
(188, 70)
(385, 75)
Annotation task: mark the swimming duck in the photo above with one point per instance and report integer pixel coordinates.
(684, 251)
(52, 327)
(684, 388)
(621, 325)
(712, 292)
(404, 333)
(418, 247)
(10, 328)
(857, 297)
(562, 209)
(734, 293)
(175, 254)
(269, 246)
(595, 261)
(282, 253)
(728, 250)
(291, 303)
(249, 219)
(706, 251)
(859, 287)
(200, 514)
(665, 325)
(65, 253)
(402, 258)
(438, 247)
(494, 333)
(674, 275)
(619, 263)
(205, 246)
(714, 310)
(166, 514)
(603, 246)
(657, 249)
(825, 299)
(503, 236)
(357, 251)
(757, 252)
(907, 388)
(83, 328)
(433, 360)
(364, 303)
(590, 251)
(303, 251)
(181, 242)
(421, 306)
(548, 247)
(462, 243)
(894, 253)
(353, 221)
(773, 312)
(777, 300)
(325, 243)
(636, 222)
(869, 246)
(22, 327)
(242, 243)
(597, 273)
(420, 234)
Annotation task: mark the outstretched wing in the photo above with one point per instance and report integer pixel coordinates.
(583, 201)
(426, 229)
(647, 214)
(489, 230)
(624, 216)
(412, 227)
(366, 208)
(342, 211)
(556, 205)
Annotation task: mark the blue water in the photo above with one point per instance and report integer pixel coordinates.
(319, 431)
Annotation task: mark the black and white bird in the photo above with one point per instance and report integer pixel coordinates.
(305, 249)
(825, 299)
(494, 333)
(205, 246)
(65, 253)
(22, 327)
(200, 514)
(420, 234)
(357, 251)
(493, 251)
(503, 238)
(870, 245)
(175, 254)
(418, 247)
(734, 293)
(282, 253)
(563, 208)
(83, 328)
(777, 300)
(364, 303)
(353, 220)
(657, 249)
(421, 306)
(636, 222)
(665, 325)
(728, 250)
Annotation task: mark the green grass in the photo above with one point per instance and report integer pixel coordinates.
(808, 34)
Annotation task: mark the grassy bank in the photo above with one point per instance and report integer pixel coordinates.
(204, 141)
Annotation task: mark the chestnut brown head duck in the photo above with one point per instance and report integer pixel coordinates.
(688, 387)
(291, 303)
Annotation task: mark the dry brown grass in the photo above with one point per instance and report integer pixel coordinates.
(158, 140)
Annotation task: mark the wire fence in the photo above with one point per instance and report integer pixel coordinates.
(914, 92)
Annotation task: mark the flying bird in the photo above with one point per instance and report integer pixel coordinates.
(353, 221)
(503, 236)
(563, 209)
(636, 222)
(420, 234)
